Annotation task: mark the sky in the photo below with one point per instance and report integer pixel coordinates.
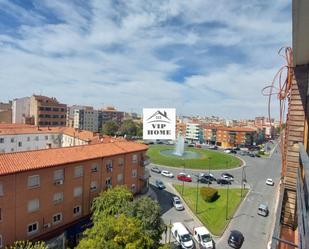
(201, 57)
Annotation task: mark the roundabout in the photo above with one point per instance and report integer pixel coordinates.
(192, 158)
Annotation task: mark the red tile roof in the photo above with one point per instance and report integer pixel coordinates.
(223, 128)
(31, 160)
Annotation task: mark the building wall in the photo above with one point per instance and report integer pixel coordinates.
(20, 110)
(5, 116)
(14, 202)
(193, 132)
(86, 119)
(71, 141)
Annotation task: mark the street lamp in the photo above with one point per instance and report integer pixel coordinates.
(183, 182)
(243, 180)
(197, 185)
(227, 201)
(209, 168)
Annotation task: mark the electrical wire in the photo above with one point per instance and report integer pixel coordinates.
(281, 87)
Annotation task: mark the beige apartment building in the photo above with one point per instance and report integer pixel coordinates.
(48, 193)
(47, 111)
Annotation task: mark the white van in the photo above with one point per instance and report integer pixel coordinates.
(263, 210)
(203, 237)
(182, 236)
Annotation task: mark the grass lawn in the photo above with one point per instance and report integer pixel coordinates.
(212, 215)
(209, 158)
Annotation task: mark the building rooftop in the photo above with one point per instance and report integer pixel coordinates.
(239, 129)
(11, 163)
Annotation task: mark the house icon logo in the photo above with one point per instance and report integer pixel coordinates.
(159, 123)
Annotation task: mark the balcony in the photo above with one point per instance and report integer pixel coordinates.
(145, 161)
(292, 224)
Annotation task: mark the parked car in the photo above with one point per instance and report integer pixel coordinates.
(227, 176)
(223, 181)
(227, 151)
(160, 184)
(233, 151)
(190, 145)
(263, 210)
(184, 177)
(207, 176)
(167, 173)
(213, 147)
(251, 154)
(270, 182)
(156, 170)
(257, 155)
(203, 238)
(204, 180)
(177, 203)
(235, 239)
(198, 146)
(182, 236)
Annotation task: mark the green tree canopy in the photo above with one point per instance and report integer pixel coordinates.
(116, 232)
(28, 245)
(128, 128)
(110, 128)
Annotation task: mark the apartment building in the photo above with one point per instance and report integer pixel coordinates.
(110, 113)
(86, 119)
(47, 193)
(180, 127)
(6, 112)
(21, 137)
(21, 111)
(47, 111)
(227, 137)
(193, 132)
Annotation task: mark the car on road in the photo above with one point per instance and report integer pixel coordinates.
(190, 145)
(167, 173)
(184, 177)
(204, 180)
(182, 236)
(208, 177)
(156, 170)
(270, 182)
(203, 238)
(160, 184)
(227, 176)
(251, 154)
(223, 182)
(263, 210)
(235, 239)
(213, 147)
(177, 203)
(233, 151)
(227, 151)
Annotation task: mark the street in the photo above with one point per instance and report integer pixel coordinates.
(256, 229)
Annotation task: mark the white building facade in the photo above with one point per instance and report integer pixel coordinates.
(20, 110)
(193, 132)
(86, 119)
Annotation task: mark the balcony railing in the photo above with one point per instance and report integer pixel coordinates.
(301, 208)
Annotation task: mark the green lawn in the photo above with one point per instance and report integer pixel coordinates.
(218, 160)
(212, 215)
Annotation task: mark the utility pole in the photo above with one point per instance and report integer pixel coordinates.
(243, 180)
(227, 201)
(209, 169)
(183, 182)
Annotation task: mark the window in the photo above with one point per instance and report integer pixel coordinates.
(119, 177)
(20, 144)
(134, 173)
(33, 228)
(94, 167)
(1, 140)
(12, 140)
(108, 182)
(58, 197)
(46, 137)
(78, 191)
(28, 139)
(33, 181)
(134, 158)
(58, 175)
(93, 186)
(1, 189)
(109, 166)
(37, 138)
(77, 210)
(12, 149)
(57, 218)
(120, 162)
(33, 205)
(78, 171)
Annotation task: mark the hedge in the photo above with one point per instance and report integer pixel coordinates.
(209, 194)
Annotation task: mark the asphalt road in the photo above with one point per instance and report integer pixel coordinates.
(256, 229)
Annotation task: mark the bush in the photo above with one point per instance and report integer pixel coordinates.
(261, 152)
(209, 194)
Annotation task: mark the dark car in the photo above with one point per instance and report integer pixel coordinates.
(213, 147)
(209, 177)
(227, 176)
(251, 154)
(233, 151)
(204, 180)
(223, 181)
(160, 184)
(190, 145)
(257, 155)
(235, 239)
(156, 170)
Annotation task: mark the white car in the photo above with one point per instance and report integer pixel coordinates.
(227, 151)
(167, 173)
(177, 203)
(270, 182)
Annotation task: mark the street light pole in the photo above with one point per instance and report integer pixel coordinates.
(183, 182)
(227, 201)
(209, 169)
(197, 185)
(243, 180)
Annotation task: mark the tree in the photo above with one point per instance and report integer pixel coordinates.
(110, 128)
(128, 128)
(148, 212)
(28, 245)
(116, 232)
(111, 202)
(139, 129)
